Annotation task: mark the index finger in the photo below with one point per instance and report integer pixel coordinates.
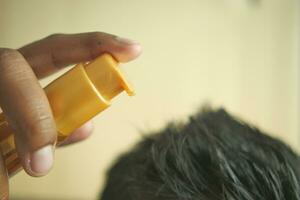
(50, 54)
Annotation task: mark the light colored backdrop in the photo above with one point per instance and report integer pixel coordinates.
(238, 54)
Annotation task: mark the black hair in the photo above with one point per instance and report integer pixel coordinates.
(213, 156)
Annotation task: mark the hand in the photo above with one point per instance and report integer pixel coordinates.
(24, 102)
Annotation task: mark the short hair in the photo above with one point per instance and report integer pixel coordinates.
(213, 156)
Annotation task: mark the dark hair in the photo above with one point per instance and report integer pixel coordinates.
(212, 157)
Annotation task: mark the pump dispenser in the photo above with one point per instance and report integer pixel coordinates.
(75, 97)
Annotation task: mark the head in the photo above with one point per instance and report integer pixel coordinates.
(213, 156)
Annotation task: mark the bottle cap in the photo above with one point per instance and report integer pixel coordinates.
(84, 91)
(107, 77)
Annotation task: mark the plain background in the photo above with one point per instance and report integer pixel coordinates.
(239, 54)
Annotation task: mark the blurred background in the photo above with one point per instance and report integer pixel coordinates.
(239, 54)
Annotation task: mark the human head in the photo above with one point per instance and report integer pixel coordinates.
(213, 156)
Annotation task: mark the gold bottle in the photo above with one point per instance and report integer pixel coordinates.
(75, 97)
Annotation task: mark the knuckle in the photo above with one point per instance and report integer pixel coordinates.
(54, 36)
(37, 127)
(102, 36)
(39, 122)
(98, 34)
(94, 39)
(41, 128)
(42, 122)
(9, 58)
(9, 54)
(98, 41)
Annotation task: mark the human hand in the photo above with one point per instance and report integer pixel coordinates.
(24, 102)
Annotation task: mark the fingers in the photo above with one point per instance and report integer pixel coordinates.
(27, 110)
(23, 101)
(78, 135)
(4, 192)
(54, 52)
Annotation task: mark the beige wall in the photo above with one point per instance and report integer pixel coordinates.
(238, 54)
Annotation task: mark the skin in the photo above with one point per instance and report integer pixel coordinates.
(23, 100)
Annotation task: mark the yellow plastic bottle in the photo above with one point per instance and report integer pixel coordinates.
(75, 97)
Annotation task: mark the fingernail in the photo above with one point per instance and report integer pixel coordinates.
(126, 41)
(41, 161)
